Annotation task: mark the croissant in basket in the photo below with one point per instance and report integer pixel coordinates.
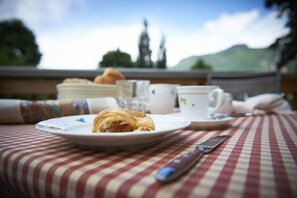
(110, 76)
(122, 120)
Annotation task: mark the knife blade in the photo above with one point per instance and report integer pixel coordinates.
(185, 162)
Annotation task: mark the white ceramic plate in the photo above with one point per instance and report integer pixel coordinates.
(77, 129)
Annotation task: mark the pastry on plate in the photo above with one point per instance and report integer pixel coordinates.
(122, 120)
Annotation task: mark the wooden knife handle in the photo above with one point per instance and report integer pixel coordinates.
(179, 166)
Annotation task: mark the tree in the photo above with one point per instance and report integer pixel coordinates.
(144, 57)
(288, 43)
(116, 59)
(200, 64)
(17, 44)
(161, 63)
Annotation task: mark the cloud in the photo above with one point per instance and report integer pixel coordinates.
(231, 24)
(37, 12)
(82, 48)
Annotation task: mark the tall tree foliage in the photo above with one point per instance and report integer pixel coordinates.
(288, 43)
(144, 57)
(116, 59)
(17, 44)
(161, 63)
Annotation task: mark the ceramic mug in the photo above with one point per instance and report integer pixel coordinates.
(162, 98)
(200, 102)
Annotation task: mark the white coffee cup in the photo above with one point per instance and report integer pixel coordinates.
(200, 102)
(162, 98)
(227, 106)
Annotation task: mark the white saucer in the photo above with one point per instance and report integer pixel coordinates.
(207, 124)
(210, 124)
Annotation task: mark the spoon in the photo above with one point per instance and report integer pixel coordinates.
(234, 115)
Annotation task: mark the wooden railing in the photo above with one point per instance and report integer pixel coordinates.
(32, 83)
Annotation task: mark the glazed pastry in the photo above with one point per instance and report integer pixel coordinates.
(110, 76)
(122, 120)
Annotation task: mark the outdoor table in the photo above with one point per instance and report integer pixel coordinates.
(258, 160)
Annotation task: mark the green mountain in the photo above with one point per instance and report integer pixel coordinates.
(237, 58)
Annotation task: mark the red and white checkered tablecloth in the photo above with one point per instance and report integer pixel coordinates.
(258, 160)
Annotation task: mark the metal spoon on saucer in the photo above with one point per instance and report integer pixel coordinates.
(234, 115)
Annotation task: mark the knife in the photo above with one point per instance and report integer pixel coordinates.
(183, 163)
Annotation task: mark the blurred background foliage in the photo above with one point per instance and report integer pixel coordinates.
(116, 59)
(18, 46)
(200, 64)
(287, 44)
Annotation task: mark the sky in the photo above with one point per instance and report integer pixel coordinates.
(75, 34)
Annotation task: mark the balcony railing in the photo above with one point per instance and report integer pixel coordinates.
(32, 83)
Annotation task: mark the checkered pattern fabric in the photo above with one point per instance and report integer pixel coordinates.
(259, 159)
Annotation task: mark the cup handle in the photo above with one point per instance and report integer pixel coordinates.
(216, 96)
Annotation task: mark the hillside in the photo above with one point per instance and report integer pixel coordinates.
(236, 58)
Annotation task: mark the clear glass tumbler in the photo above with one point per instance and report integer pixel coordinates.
(133, 94)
